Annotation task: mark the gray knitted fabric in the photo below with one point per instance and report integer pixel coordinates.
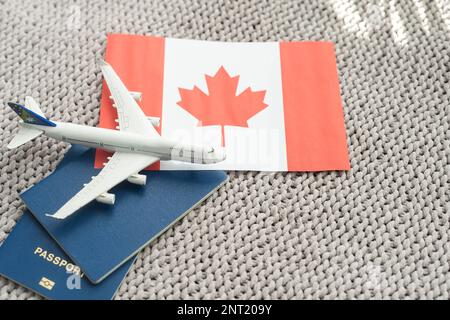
(378, 231)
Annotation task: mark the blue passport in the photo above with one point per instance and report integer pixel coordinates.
(32, 259)
(100, 238)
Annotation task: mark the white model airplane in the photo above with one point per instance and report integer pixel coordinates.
(136, 144)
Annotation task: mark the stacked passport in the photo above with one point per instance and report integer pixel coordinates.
(87, 256)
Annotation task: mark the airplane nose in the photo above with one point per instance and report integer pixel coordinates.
(221, 154)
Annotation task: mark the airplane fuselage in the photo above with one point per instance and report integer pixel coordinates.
(115, 140)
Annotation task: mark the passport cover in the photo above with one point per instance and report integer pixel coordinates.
(100, 237)
(32, 259)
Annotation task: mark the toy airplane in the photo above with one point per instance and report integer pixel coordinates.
(136, 144)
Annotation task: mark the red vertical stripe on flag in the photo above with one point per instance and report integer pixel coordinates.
(313, 115)
(139, 62)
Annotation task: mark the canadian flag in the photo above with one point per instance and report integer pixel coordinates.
(274, 106)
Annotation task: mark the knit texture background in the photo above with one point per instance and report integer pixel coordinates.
(380, 230)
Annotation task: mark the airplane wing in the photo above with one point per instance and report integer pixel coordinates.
(120, 167)
(130, 115)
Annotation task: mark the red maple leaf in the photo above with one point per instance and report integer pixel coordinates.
(222, 106)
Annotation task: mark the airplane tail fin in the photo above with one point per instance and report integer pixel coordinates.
(31, 113)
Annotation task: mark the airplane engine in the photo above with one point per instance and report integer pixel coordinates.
(155, 121)
(106, 198)
(136, 95)
(139, 179)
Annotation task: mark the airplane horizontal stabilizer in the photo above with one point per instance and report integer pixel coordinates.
(23, 136)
